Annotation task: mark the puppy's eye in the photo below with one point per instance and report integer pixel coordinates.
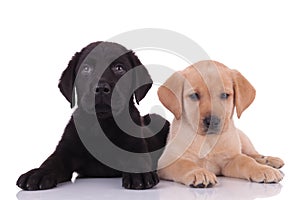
(86, 69)
(194, 97)
(224, 96)
(119, 69)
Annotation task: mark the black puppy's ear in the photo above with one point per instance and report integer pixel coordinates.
(141, 76)
(67, 79)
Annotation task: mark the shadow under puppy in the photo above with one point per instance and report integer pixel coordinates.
(203, 141)
(107, 78)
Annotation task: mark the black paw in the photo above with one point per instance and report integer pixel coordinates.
(37, 179)
(201, 185)
(140, 181)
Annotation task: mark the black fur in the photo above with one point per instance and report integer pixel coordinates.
(71, 155)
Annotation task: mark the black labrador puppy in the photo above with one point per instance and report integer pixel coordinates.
(106, 136)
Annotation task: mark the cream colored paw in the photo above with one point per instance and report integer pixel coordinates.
(265, 174)
(274, 162)
(200, 178)
(270, 161)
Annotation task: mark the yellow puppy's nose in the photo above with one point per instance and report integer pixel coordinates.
(211, 124)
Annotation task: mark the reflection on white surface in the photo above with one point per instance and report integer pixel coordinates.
(227, 188)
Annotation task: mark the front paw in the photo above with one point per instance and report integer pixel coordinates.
(265, 174)
(200, 178)
(140, 181)
(37, 179)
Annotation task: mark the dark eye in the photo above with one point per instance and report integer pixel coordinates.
(194, 97)
(224, 96)
(119, 69)
(86, 69)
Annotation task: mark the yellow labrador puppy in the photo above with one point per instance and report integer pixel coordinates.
(203, 141)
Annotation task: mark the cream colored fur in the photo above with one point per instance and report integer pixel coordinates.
(192, 156)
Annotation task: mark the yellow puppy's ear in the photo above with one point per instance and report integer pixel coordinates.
(244, 92)
(170, 94)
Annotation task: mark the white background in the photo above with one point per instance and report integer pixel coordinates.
(38, 38)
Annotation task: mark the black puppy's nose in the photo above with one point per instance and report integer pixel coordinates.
(102, 88)
(211, 122)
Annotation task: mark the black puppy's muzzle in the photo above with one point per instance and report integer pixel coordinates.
(102, 92)
(102, 88)
(212, 124)
(105, 103)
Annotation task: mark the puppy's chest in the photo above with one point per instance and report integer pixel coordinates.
(215, 150)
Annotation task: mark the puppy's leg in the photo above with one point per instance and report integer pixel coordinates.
(55, 169)
(243, 166)
(248, 149)
(145, 176)
(47, 176)
(140, 181)
(159, 128)
(188, 173)
(144, 180)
